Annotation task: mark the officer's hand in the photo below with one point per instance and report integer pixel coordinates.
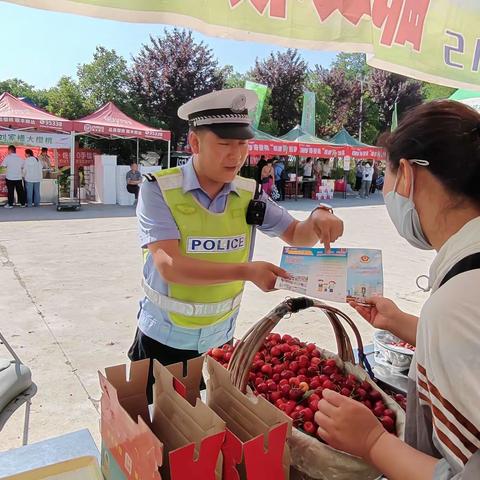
(327, 227)
(265, 274)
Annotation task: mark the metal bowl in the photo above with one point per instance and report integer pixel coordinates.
(398, 357)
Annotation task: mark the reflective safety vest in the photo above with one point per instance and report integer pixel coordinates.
(216, 237)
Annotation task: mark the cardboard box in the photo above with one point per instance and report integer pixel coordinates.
(180, 441)
(255, 446)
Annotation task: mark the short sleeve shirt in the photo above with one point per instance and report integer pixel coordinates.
(134, 176)
(156, 223)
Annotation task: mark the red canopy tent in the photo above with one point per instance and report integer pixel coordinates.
(19, 115)
(110, 122)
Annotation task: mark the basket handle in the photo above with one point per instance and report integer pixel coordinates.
(254, 338)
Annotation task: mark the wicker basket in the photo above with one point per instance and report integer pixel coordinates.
(253, 340)
(312, 458)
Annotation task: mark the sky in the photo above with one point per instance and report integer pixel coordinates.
(39, 46)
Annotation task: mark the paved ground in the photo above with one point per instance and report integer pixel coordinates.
(70, 288)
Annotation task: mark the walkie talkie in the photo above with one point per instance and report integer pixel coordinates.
(256, 208)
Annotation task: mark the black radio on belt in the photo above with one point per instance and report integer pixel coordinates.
(256, 209)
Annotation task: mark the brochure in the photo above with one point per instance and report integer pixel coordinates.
(342, 275)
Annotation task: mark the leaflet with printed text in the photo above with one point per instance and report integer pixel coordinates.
(342, 275)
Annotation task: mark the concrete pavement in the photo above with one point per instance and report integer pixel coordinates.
(70, 285)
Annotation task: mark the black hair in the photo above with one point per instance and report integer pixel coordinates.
(447, 135)
(44, 149)
(13, 148)
(28, 151)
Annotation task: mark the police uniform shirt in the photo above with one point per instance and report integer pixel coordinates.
(155, 223)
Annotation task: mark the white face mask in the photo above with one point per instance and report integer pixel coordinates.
(405, 217)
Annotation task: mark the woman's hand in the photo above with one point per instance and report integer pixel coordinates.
(347, 425)
(384, 314)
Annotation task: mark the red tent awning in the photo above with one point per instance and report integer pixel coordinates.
(109, 121)
(17, 114)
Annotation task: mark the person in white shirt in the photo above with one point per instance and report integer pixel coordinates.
(367, 180)
(13, 164)
(32, 172)
(432, 196)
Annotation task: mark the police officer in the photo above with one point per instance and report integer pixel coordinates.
(193, 221)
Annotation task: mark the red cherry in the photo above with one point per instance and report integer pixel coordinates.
(275, 351)
(345, 392)
(286, 374)
(303, 361)
(379, 411)
(315, 361)
(367, 386)
(309, 428)
(368, 404)
(290, 406)
(217, 353)
(389, 413)
(388, 423)
(286, 338)
(328, 384)
(311, 347)
(294, 382)
(275, 396)
(361, 393)
(262, 387)
(276, 377)
(294, 366)
(302, 378)
(331, 363)
(307, 414)
(375, 395)
(285, 389)
(266, 370)
(295, 393)
(276, 337)
(315, 383)
(313, 404)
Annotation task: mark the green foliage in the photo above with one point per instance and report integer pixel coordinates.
(103, 80)
(431, 91)
(66, 99)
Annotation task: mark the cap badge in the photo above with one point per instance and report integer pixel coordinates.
(239, 103)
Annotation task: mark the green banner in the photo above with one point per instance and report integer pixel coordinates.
(308, 113)
(433, 40)
(261, 91)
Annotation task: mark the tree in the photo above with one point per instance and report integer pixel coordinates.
(19, 88)
(338, 100)
(431, 91)
(353, 64)
(387, 88)
(285, 74)
(66, 99)
(168, 72)
(232, 79)
(104, 80)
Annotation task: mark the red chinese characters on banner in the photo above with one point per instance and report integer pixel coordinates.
(83, 157)
(278, 8)
(402, 21)
(352, 10)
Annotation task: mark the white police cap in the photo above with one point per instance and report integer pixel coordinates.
(225, 112)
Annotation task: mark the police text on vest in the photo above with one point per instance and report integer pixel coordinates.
(216, 244)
